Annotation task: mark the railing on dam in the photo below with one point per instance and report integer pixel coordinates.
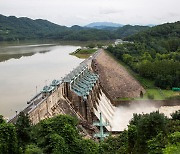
(39, 98)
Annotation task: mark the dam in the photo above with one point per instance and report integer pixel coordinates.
(90, 90)
(79, 94)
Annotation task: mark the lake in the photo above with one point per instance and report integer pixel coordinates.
(25, 68)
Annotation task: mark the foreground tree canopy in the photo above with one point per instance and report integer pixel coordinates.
(147, 133)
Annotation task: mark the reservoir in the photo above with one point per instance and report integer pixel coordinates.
(26, 68)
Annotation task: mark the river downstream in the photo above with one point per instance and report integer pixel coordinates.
(25, 69)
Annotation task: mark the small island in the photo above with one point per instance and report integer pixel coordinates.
(85, 52)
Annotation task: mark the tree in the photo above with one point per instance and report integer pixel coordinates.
(1, 119)
(99, 45)
(89, 146)
(132, 138)
(172, 149)
(33, 149)
(58, 132)
(92, 45)
(176, 115)
(147, 127)
(23, 128)
(173, 126)
(127, 58)
(156, 144)
(174, 138)
(55, 144)
(8, 139)
(118, 144)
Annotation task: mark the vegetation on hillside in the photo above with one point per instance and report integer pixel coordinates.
(154, 54)
(146, 133)
(129, 30)
(12, 28)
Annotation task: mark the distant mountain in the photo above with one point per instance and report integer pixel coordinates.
(104, 28)
(151, 25)
(102, 25)
(13, 28)
(77, 27)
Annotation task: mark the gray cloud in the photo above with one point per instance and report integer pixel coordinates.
(110, 11)
(172, 15)
(70, 12)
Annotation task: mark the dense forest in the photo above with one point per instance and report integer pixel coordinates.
(13, 28)
(147, 133)
(154, 54)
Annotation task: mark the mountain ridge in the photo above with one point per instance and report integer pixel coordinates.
(22, 28)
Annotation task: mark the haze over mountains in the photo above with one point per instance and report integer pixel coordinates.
(109, 25)
(101, 25)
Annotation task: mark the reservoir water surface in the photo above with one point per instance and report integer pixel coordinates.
(26, 68)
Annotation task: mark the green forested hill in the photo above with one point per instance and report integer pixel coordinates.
(163, 38)
(13, 28)
(162, 32)
(154, 54)
(129, 30)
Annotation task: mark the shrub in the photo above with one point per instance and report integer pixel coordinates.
(176, 115)
(150, 96)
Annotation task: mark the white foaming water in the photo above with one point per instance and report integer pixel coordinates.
(123, 114)
(168, 110)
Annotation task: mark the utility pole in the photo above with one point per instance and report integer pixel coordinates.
(101, 134)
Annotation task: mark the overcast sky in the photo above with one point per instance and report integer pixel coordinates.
(82, 12)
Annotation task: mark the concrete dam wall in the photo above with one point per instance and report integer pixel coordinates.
(79, 94)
